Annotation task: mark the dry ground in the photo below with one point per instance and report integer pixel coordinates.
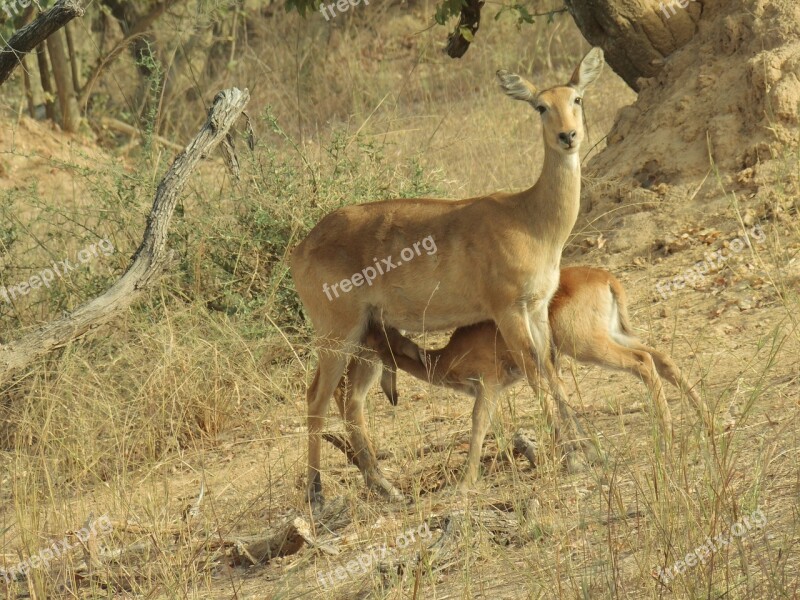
(174, 399)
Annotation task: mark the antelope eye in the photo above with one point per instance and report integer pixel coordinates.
(578, 101)
(541, 109)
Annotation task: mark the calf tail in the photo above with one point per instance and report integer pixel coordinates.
(620, 301)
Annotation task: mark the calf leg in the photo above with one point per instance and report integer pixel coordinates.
(667, 368)
(641, 364)
(483, 413)
(350, 397)
(528, 339)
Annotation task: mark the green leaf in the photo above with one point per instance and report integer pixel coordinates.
(448, 9)
(524, 15)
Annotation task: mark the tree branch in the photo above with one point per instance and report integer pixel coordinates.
(30, 36)
(470, 20)
(150, 259)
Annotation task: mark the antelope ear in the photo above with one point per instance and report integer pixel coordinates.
(516, 87)
(589, 69)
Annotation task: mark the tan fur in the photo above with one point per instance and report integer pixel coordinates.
(497, 258)
(589, 320)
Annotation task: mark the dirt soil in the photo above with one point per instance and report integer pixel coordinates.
(738, 118)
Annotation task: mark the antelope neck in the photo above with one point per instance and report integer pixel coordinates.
(552, 203)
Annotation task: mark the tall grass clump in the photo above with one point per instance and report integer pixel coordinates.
(225, 317)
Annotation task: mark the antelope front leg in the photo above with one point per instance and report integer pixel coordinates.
(529, 341)
(515, 329)
(576, 434)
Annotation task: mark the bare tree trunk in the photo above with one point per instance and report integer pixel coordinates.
(70, 115)
(74, 61)
(44, 77)
(152, 256)
(133, 22)
(134, 28)
(26, 81)
(26, 18)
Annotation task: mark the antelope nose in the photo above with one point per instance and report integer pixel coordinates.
(567, 137)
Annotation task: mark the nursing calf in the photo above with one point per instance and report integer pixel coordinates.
(589, 321)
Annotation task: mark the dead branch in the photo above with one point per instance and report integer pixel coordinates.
(447, 552)
(341, 443)
(102, 62)
(289, 536)
(285, 539)
(30, 36)
(130, 130)
(151, 258)
(525, 445)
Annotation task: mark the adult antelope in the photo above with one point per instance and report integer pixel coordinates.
(589, 322)
(497, 258)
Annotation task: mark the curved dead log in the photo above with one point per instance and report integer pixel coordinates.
(30, 36)
(636, 35)
(152, 256)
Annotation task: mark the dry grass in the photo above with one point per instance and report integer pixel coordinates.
(203, 386)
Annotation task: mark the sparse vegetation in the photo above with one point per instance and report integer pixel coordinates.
(202, 386)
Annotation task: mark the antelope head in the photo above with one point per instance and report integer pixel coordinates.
(560, 106)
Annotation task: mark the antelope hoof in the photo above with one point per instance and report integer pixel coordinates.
(574, 463)
(593, 453)
(314, 493)
(391, 493)
(576, 457)
(465, 486)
